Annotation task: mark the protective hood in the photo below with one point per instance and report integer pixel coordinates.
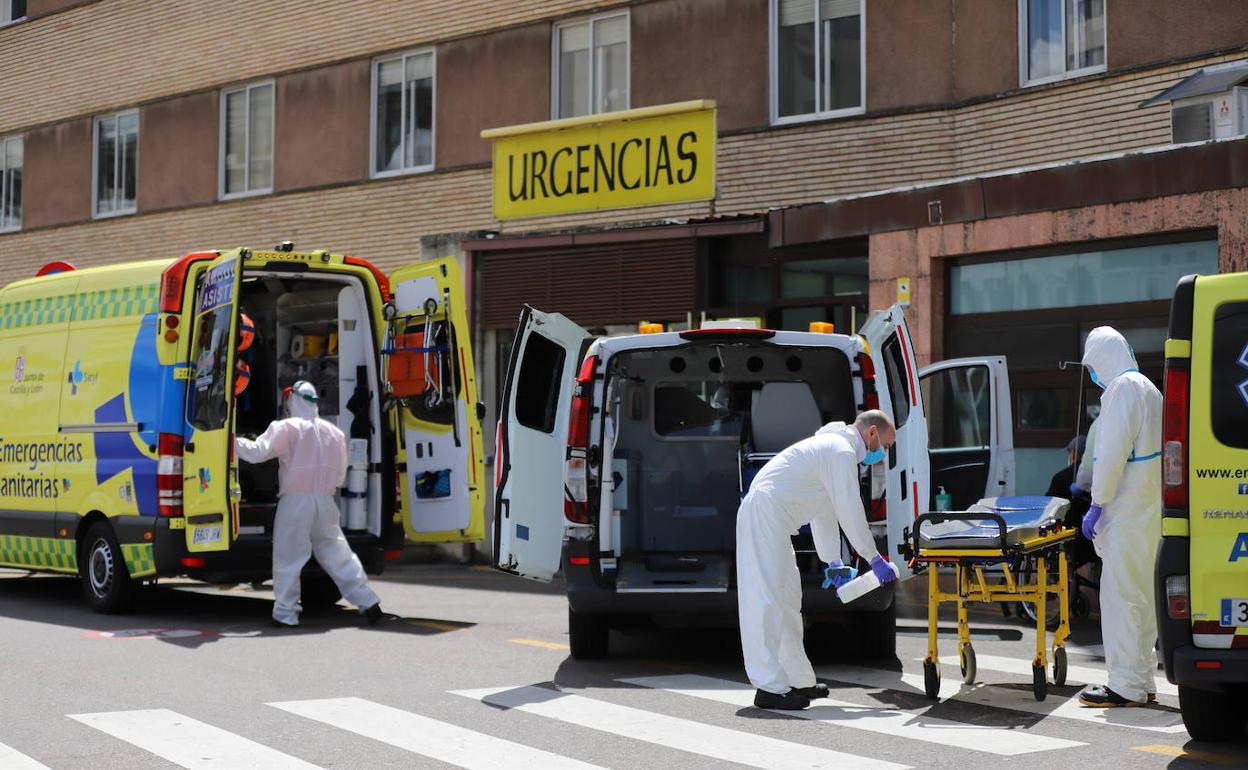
(1107, 353)
(298, 403)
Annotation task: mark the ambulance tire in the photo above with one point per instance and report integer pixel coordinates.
(1209, 715)
(106, 582)
(589, 635)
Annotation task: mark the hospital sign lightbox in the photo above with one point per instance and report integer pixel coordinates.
(642, 157)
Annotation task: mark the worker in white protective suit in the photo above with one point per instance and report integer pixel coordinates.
(815, 482)
(312, 463)
(1124, 521)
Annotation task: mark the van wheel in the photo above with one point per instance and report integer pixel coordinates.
(105, 580)
(589, 635)
(876, 633)
(1209, 715)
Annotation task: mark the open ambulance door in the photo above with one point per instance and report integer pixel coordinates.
(532, 444)
(430, 370)
(210, 488)
(896, 379)
(970, 428)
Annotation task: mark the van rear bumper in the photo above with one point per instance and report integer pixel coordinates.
(250, 558)
(1183, 670)
(595, 594)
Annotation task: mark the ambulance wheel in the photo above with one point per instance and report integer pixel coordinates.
(1059, 666)
(105, 580)
(1209, 715)
(1039, 682)
(588, 635)
(931, 680)
(966, 656)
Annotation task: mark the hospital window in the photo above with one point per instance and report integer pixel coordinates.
(11, 183)
(12, 10)
(247, 140)
(590, 66)
(116, 163)
(1060, 39)
(403, 103)
(818, 59)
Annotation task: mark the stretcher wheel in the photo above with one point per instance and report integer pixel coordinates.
(931, 680)
(1039, 682)
(966, 656)
(1059, 666)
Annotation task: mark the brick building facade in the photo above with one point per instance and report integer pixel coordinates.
(945, 90)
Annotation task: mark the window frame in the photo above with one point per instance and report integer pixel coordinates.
(1024, 50)
(6, 11)
(773, 69)
(593, 68)
(222, 125)
(4, 140)
(95, 163)
(402, 56)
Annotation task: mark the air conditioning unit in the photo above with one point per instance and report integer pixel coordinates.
(1217, 116)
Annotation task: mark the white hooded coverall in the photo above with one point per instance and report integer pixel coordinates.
(312, 463)
(1126, 483)
(814, 482)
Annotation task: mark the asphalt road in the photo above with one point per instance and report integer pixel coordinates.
(475, 672)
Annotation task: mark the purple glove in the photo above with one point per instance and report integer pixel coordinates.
(1089, 521)
(882, 570)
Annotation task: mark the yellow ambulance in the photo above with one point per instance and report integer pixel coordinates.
(118, 417)
(1202, 567)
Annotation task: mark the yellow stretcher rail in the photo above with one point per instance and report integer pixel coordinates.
(972, 586)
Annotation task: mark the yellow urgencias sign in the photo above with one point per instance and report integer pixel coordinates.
(641, 157)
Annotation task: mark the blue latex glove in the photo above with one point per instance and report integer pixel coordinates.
(1074, 490)
(837, 574)
(882, 570)
(1089, 521)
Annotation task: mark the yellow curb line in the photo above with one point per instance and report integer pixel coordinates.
(1180, 752)
(539, 643)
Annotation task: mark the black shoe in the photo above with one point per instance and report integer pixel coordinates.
(1103, 697)
(374, 614)
(789, 701)
(817, 691)
(279, 624)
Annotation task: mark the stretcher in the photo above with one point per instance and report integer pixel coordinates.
(1004, 532)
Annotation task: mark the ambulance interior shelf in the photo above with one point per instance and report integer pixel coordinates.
(312, 329)
(423, 375)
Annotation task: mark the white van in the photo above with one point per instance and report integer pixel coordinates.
(623, 460)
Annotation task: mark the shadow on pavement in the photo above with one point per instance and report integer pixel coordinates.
(186, 614)
(475, 577)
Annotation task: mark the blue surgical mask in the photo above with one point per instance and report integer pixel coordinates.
(872, 457)
(1096, 380)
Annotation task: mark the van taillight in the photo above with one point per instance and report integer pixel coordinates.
(173, 280)
(169, 475)
(870, 398)
(1174, 438)
(576, 469)
(1177, 605)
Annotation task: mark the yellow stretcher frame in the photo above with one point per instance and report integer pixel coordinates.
(972, 585)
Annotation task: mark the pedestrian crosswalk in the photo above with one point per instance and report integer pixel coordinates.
(875, 719)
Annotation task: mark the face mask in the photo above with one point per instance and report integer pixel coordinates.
(1096, 380)
(873, 457)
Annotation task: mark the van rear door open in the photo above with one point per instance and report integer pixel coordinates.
(896, 379)
(430, 367)
(532, 444)
(970, 428)
(210, 489)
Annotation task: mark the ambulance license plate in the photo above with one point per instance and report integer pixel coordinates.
(207, 535)
(1235, 613)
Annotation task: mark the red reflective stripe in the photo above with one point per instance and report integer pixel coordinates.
(1212, 664)
(905, 354)
(580, 561)
(916, 499)
(472, 446)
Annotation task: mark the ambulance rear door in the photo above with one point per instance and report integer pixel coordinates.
(532, 444)
(970, 428)
(210, 488)
(431, 375)
(896, 379)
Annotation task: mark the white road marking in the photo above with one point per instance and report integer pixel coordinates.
(1074, 674)
(428, 737)
(1012, 699)
(695, 737)
(188, 742)
(12, 759)
(900, 724)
